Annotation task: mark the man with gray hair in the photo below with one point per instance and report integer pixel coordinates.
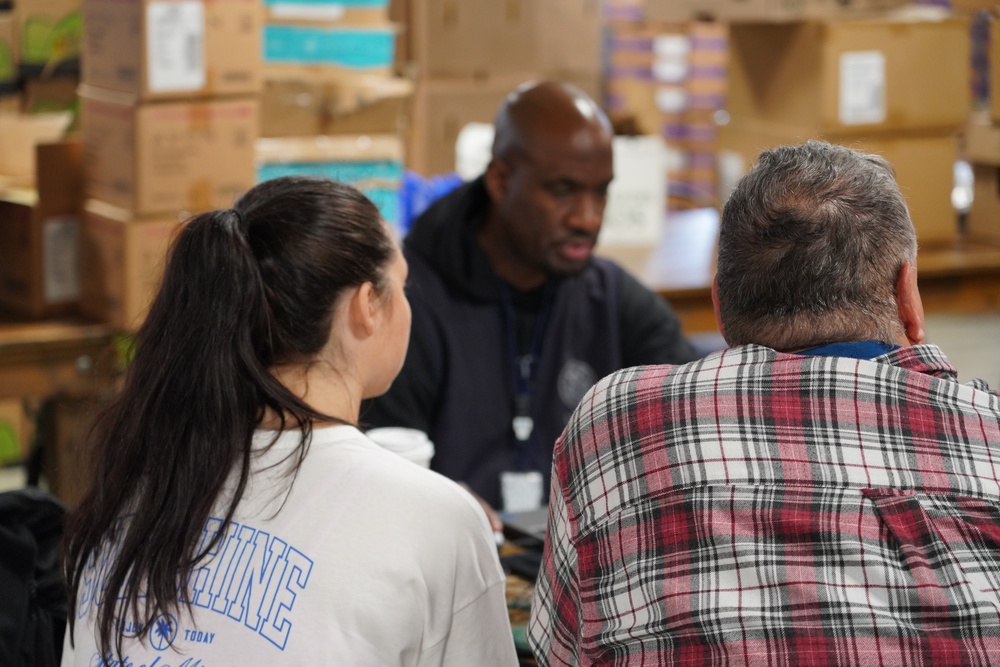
(822, 493)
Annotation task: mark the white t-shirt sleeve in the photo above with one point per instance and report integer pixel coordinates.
(67, 652)
(480, 632)
(474, 639)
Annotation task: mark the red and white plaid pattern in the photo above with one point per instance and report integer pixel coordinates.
(766, 509)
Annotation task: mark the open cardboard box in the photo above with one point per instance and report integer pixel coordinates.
(39, 235)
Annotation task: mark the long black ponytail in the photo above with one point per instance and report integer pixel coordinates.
(243, 290)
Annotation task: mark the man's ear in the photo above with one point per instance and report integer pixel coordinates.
(496, 178)
(715, 305)
(909, 305)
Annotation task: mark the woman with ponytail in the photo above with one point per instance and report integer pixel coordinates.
(237, 516)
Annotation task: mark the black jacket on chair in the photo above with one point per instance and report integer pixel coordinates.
(32, 589)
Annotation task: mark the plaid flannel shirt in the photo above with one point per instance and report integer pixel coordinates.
(769, 509)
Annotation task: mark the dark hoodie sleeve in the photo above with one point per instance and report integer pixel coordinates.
(651, 330)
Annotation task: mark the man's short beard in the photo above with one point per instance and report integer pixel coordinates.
(555, 272)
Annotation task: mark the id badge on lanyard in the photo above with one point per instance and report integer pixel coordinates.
(521, 491)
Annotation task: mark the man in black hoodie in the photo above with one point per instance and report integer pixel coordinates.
(513, 318)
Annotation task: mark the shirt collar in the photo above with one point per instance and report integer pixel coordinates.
(927, 359)
(866, 349)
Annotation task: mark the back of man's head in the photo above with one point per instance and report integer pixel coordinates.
(810, 245)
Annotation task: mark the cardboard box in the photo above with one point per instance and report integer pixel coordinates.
(973, 6)
(163, 157)
(371, 163)
(50, 34)
(661, 72)
(983, 222)
(162, 49)
(452, 38)
(8, 53)
(349, 12)
(852, 76)
(39, 236)
(20, 134)
(51, 95)
(121, 260)
(488, 38)
(368, 49)
(442, 108)
(982, 140)
(307, 103)
(993, 69)
(567, 37)
(982, 149)
(923, 162)
(765, 10)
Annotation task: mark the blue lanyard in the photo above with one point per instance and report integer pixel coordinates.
(524, 369)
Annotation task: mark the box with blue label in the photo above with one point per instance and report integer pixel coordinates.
(356, 49)
(371, 163)
(347, 12)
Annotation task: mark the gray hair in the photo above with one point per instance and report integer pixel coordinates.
(810, 244)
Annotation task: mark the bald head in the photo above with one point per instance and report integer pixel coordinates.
(547, 111)
(547, 183)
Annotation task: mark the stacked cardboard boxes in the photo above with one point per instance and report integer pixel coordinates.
(39, 73)
(670, 79)
(39, 235)
(466, 56)
(169, 111)
(39, 59)
(39, 62)
(982, 150)
(889, 84)
(39, 49)
(371, 163)
(737, 11)
(332, 104)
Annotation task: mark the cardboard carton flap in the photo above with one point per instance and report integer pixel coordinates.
(329, 148)
(60, 172)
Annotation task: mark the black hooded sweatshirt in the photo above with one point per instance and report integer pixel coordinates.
(464, 377)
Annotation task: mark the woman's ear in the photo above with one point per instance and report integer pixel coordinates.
(362, 308)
